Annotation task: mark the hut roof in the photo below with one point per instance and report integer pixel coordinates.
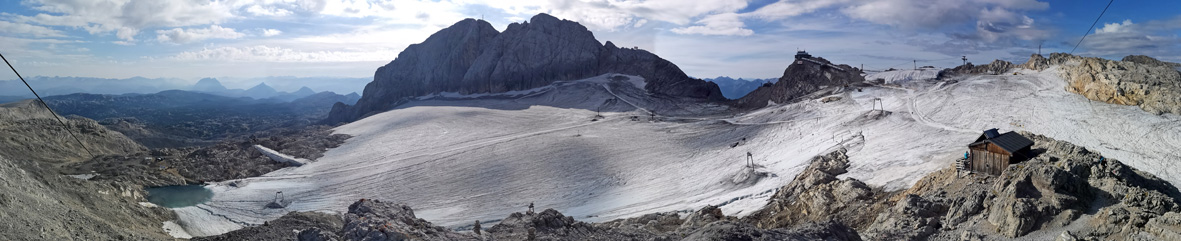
(1010, 141)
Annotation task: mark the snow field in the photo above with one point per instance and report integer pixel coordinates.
(457, 161)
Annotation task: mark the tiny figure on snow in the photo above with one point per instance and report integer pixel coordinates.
(531, 208)
(476, 227)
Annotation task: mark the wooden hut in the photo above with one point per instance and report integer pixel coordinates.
(992, 152)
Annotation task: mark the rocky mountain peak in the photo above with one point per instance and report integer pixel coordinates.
(472, 57)
(802, 77)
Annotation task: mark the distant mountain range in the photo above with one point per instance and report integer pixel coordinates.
(737, 88)
(284, 88)
(177, 118)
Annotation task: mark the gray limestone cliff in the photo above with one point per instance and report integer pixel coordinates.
(1137, 80)
(472, 57)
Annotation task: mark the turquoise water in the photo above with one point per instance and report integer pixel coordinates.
(179, 196)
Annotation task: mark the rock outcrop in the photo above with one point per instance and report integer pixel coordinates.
(281, 229)
(230, 159)
(38, 203)
(30, 132)
(1138, 80)
(472, 57)
(996, 67)
(375, 220)
(816, 195)
(802, 77)
(1065, 188)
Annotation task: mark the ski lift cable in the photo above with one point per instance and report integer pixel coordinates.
(1080, 40)
(46, 105)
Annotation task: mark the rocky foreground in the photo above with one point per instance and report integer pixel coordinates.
(29, 132)
(1066, 192)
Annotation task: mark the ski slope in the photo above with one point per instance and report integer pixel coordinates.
(457, 160)
(903, 77)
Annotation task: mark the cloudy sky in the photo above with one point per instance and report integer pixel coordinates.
(753, 39)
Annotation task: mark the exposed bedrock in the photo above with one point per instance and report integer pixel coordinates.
(472, 57)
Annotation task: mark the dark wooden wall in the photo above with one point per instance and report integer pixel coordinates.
(989, 158)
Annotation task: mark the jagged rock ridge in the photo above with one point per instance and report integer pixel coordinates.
(472, 57)
(803, 77)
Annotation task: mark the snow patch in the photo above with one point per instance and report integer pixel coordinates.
(902, 77)
(280, 157)
(84, 176)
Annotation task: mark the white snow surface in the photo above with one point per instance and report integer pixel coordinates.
(176, 230)
(902, 77)
(457, 161)
(280, 157)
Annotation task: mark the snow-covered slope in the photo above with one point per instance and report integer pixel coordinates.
(901, 77)
(457, 160)
(280, 157)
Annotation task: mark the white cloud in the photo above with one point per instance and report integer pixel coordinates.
(259, 10)
(718, 24)
(180, 36)
(271, 32)
(263, 53)
(125, 17)
(932, 14)
(784, 9)
(640, 23)
(1115, 27)
(1153, 38)
(24, 29)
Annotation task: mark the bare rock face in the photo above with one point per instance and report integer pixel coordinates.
(472, 57)
(281, 229)
(1167, 226)
(374, 220)
(912, 218)
(800, 78)
(1036, 62)
(816, 195)
(1032, 196)
(1153, 85)
(731, 230)
(1145, 60)
(996, 67)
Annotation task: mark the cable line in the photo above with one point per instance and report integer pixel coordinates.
(1080, 41)
(59, 118)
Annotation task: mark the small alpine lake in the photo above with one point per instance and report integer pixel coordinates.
(179, 196)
